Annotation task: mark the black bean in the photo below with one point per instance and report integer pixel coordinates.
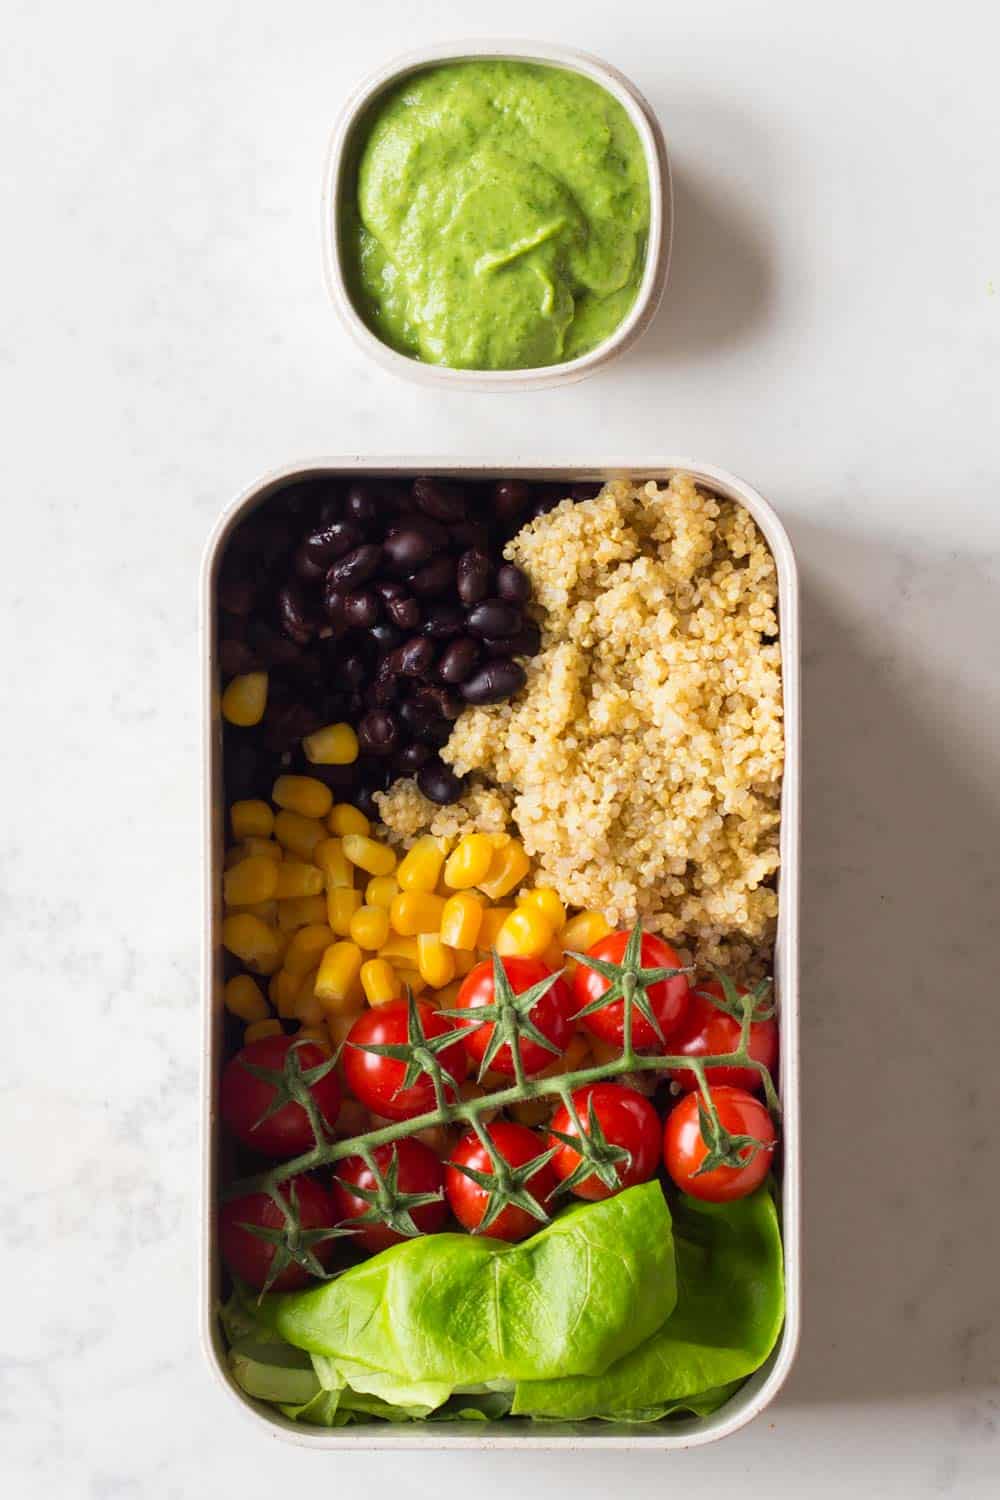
(295, 614)
(361, 504)
(458, 660)
(416, 657)
(545, 503)
(441, 701)
(362, 608)
(378, 732)
(327, 543)
(356, 567)
(412, 757)
(331, 509)
(383, 692)
(286, 723)
(438, 498)
(496, 682)
(442, 621)
(340, 779)
(439, 783)
(493, 617)
(466, 534)
(270, 648)
(513, 585)
(436, 577)
(473, 574)
(235, 658)
(404, 611)
(424, 724)
(527, 642)
(511, 498)
(408, 549)
(385, 636)
(333, 601)
(306, 566)
(237, 588)
(388, 588)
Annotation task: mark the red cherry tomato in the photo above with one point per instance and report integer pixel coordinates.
(626, 1119)
(552, 1014)
(684, 1148)
(418, 1170)
(377, 1081)
(517, 1145)
(250, 1257)
(668, 999)
(706, 1030)
(245, 1099)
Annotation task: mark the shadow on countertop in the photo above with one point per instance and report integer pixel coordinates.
(900, 983)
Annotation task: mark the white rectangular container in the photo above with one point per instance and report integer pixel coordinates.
(762, 1387)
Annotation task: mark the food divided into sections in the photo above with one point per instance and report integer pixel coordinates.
(503, 768)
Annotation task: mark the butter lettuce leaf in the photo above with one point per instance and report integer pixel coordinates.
(729, 1313)
(446, 1312)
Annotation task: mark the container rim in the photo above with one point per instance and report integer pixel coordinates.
(658, 246)
(762, 1387)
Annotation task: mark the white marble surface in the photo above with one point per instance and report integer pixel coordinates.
(832, 333)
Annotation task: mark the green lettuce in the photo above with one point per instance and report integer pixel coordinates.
(449, 1312)
(729, 1312)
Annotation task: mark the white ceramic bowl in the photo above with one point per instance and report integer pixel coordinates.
(763, 1386)
(657, 266)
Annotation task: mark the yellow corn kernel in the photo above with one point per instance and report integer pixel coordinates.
(333, 745)
(253, 942)
(266, 910)
(416, 911)
(526, 933)
(369, 927)
(339, 1023)
(242, 997)
(296, 878)
(305, 795)
(445, 998)
(379, 981)
(411, 979)
(260, 1029)
(584, 930)
(341, 904)
(380, 890)
(306, 948)
(282, 990)
(368, 854)
(317, 1033)
(547, 900)
(465, 961)
(308, 1008)
(531, 1111)
(252, 880)
(420, 867)
(338, 969)
(493, 920)
(469, 862)
(251, 819)
(499, 840)
(268, 848)
(300, 835)
(461, 919)
(435, 962)
(336, 867)
(302, 911)
(344, 818)
(245, 699)
(400, 950)
(508, 868)
(554, 957)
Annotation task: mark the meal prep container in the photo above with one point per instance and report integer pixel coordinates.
(660, 215)
(763, 1386)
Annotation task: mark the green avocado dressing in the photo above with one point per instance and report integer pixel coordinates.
(497, 216)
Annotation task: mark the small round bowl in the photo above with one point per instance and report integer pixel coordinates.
(654, 277)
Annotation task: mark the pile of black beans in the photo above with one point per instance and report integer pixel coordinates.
(381, 603)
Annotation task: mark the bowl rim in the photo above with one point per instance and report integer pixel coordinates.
(763, 1386)
(659, 240)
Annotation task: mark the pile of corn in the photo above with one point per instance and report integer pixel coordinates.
(333, 920)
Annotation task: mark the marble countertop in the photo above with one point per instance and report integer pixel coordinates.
(832, 333)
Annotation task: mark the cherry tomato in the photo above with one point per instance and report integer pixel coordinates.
(626, 1119)
(706, 1030)
(668, 999)
(418, 1170)
(684, 1148)
(552, 1014)
(517, 1145)
(245, 1098)
(377, 1081)
(250, 1257)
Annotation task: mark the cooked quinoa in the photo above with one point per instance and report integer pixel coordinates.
(642, 762)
